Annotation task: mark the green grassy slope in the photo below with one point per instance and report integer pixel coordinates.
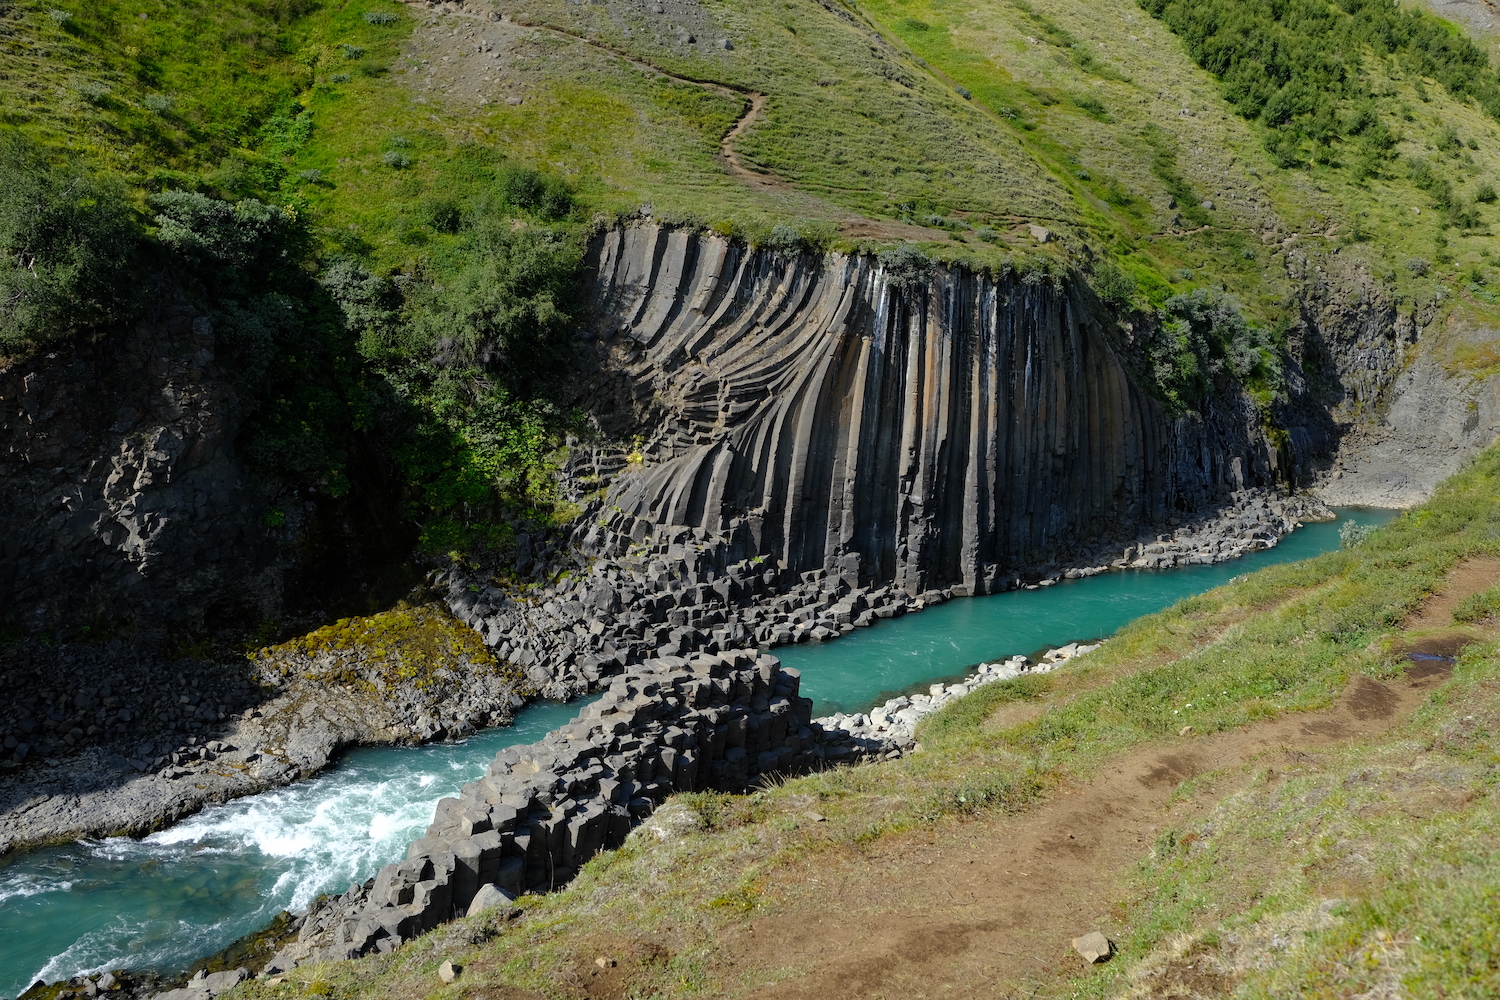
(1093, 119)
(390, 130)
(1398, 829)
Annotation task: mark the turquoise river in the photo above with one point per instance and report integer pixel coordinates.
(173, 897)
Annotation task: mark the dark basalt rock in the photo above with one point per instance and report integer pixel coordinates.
(947, 433)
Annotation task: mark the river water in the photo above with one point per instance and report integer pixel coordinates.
(175, 896)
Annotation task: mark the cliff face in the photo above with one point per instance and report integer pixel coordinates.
(123, 499)
(121, 491)
(946, 432)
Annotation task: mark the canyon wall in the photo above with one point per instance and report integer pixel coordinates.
(120, 492)
(125, 503)
(945, 431)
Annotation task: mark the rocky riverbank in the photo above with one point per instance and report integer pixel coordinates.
(152, 745)
(626, 590)
(895, 722)
(672, 724)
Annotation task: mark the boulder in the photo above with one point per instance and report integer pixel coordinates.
(487, 898)
(1094, 947)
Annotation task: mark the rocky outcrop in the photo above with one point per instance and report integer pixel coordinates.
(673, 724)
(165, 738)
(834, 415)
(126, 504)
(120, 491)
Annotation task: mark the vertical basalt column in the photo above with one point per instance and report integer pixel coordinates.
(952, 432)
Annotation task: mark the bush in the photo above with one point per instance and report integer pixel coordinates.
(370, 304)
(1485, 194)
(508, 301)
(1353, 534)
(784, 239)
(235, 245)
(69, 246)
(396, 160)
(533, 191)
(1201, 337)
(380, 17)
(905, 265)
(440, 214)
(1114, 286)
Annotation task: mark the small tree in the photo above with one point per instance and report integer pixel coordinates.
(69, 245)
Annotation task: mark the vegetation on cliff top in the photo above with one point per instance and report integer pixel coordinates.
(445, 225)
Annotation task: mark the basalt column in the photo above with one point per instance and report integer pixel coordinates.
(934, 433)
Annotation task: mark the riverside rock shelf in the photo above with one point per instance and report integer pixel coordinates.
(715, 721)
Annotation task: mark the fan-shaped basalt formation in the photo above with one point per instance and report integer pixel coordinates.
(948, 429)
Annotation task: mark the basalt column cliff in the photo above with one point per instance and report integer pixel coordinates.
(931, 430)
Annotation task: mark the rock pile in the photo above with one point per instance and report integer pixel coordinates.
(206, 985)
(674, 724)
(1249, 521)
(896, 720)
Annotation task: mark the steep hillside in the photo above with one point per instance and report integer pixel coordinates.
(907, 291)
(1277, 788)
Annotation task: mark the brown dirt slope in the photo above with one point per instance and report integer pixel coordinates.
(989, 908)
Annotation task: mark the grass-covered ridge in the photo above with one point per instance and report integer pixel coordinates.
(446, 221)
(1279, 642)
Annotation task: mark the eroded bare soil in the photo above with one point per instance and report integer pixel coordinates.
(989, 908)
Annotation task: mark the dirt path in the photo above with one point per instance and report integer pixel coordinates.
(468, 80)
(730, 157)
(987, 909)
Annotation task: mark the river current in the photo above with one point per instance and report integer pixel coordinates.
(173, 897)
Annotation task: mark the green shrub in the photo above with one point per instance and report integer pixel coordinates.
(905, 265)
(441, 214)
(533, 191)
(69, 247)
(1200, 338)
(1478, 607)
(231, 245)
(785, 239)
(1353, 534)
(1114, 286)
(507, 301)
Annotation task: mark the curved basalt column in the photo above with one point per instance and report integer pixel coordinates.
(949, 432)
